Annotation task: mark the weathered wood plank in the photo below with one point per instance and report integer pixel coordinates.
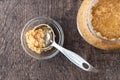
(16, 65)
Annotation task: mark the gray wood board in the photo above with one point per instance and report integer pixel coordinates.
(15, 64)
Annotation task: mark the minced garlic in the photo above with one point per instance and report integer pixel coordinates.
(35, 40)
(106, 18)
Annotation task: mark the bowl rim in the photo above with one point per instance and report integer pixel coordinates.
(57, 26)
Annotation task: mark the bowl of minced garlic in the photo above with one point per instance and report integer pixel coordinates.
(106, 19)
(34, 34)
(99, 23)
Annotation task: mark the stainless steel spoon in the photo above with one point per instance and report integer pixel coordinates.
(73, 57)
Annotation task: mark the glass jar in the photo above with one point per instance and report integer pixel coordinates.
(58, 33)
(85, 28)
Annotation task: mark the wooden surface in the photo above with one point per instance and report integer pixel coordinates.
(15, 64)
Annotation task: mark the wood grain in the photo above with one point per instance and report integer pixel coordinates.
(15, 64)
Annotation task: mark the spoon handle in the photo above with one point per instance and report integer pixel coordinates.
(74, 58)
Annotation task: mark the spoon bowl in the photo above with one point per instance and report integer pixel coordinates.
(49, 35)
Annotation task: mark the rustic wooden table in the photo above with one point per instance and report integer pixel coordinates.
(15, 64)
